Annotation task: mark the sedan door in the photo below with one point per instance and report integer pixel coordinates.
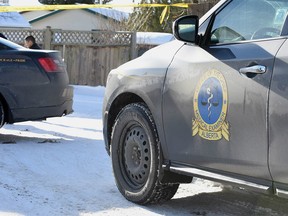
(215, 98)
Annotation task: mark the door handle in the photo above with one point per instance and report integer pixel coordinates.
(256, 69)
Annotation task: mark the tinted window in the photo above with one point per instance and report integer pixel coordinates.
(248, 20)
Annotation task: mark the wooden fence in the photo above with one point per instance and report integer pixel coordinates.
(90, 65)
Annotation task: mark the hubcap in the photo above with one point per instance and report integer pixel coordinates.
(136, 156)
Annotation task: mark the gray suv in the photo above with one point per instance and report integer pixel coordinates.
(211, 104)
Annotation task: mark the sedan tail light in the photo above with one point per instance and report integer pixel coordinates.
(51, 65)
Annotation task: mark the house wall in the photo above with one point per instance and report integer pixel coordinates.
(80, 20)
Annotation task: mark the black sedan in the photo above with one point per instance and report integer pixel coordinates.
(34, 84)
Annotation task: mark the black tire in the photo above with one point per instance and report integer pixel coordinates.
(136, 157)
(2, 114)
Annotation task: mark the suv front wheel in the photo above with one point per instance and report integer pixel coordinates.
(136, 157)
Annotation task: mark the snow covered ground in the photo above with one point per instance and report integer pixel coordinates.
(60, 167)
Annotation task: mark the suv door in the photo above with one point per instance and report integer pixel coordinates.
(215, 98)
(278, 119)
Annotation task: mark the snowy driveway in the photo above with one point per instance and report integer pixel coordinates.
(60, 167)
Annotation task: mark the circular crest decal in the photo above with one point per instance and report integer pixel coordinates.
(210, 107)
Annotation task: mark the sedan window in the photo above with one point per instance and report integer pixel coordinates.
(237, 21)
(8, 45)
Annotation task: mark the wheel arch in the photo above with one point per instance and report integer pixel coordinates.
(119, 102)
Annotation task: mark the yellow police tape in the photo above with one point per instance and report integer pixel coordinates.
(84, 6)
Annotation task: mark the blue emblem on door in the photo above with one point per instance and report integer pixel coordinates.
(210, 107)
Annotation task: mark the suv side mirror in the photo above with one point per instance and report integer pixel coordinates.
(186, 28)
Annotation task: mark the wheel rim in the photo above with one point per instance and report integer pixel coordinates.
(136, 157)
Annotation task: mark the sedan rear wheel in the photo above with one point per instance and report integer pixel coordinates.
(2, 114)
(136, 157)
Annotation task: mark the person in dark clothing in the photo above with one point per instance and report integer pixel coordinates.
(30, 43)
